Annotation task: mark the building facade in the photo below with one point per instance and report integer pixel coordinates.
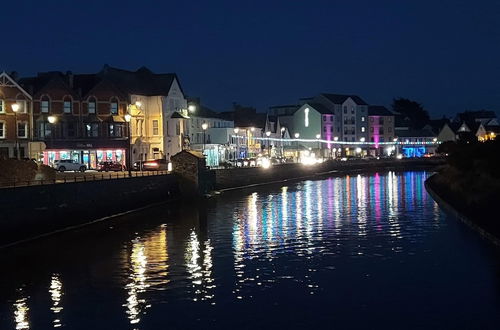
(381, 128)
(15, 118)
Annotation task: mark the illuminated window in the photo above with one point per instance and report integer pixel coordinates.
(362, 118)
(22, 106)
(92, 105)
(306, 119)
(114, 107)
(362, 129)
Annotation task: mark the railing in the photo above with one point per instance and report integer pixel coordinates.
(79, 177)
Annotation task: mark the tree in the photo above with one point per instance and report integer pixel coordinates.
(418, 116)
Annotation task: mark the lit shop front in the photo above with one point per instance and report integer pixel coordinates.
(87, 154)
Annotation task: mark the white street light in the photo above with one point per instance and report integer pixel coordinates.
(192, 108)
(362, 139)
(336, 138)
(52, 119)
(15, 107)
(138, 104)
(204, 126)
(128, 117)
(236, 130)
(268, 133)
(318, 136)
(297, 135)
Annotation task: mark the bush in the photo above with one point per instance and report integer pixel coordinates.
(13, 170)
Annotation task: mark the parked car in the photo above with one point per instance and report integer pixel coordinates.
(155, 165)
(110, 166)
(63, 165)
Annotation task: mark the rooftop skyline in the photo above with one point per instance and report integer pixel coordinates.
(443, 55)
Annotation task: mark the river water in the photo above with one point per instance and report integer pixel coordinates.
(353, 252)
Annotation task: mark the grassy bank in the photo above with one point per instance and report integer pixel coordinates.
(470, 183)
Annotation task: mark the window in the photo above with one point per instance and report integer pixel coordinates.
(362, 119)
(114, 107)
(371, 129)
(2, 106)
(381, 120)
(22, 106)
(70, 130)
(2, 130)
(380, 130)
(389, 129)
(362, 129)
(91, 106)
(45, 106)
(115, 130)
(156, 130)
(306, 115)
(92, 130)
(324, 129)
(345, 109)
(21, 129)
(371, 119)
(67, 106)
(352, 110)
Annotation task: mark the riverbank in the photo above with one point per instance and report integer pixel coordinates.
(477, 210)
(229, 179)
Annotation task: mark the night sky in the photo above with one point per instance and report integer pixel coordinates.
(444, 54)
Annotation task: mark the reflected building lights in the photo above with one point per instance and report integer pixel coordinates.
(21, 312)
(56, 296)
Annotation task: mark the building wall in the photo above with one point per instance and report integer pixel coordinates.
(9, 96)
(308, 123)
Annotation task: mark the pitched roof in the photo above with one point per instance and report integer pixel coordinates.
(341, 98)
(320, 108)
(378, 110)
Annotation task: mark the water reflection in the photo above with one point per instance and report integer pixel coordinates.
(56, 296)
(21, 311)
(302, 243)
(148, 268)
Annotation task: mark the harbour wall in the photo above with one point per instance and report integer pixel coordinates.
(30, 211)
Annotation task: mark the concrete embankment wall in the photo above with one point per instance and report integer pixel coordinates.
(31, 211)
(240, 177)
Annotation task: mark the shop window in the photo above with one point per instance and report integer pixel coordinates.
(22, 131)
(2, 130)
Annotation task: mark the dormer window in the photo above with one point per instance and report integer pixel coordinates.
(67, 105)
(114, 107)
(92, 105)
(45, 105)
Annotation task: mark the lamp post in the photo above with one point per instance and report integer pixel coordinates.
(15, 109)
(128, 117)
(297, 135)
(204, 126)
(237, 153)
(268, 133)
(52, 121)
(248, 140)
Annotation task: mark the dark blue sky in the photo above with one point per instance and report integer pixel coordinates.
(444, 54)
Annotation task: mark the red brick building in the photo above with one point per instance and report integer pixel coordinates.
(87, 112)
(15, 127)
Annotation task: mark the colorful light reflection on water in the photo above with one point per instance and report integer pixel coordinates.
(353, 252)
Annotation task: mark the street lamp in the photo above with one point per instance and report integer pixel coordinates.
(128, 117)
(52, 121)
(191, 108)
(204, 126)
(15, 108)
(268, 133)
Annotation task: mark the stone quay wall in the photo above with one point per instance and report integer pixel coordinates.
(30, 211)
